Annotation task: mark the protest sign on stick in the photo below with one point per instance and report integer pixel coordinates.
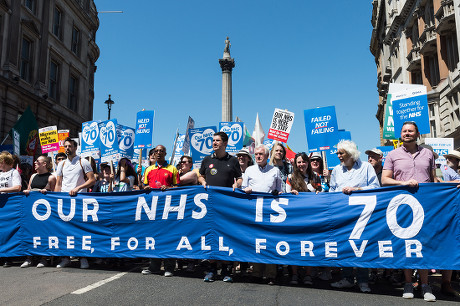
(442, 146)
(281, 125)
(411, 105)
(321, 128)
(144, 130)
(201, 143)
(49, 139)
(90, 139)
(62, 135)
(126, 137)
(109, 141)
(234, 131)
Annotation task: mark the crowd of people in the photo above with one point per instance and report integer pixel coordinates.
(269, 172)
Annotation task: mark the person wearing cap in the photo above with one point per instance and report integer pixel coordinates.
(316, 163)
(410, 165)
(450, 170)
(374, 157)
(244, 159)
(450, 174)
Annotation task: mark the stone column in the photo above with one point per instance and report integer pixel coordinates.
(227, 63)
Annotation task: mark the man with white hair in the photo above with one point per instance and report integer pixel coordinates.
(352, 174)
(262, 177)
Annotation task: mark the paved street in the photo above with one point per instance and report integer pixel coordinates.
(126, 286)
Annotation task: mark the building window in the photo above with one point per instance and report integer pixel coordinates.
(452, 51)
(57, 21)
(432, 69)
(75, 41)
(433, 129)
(31, 5)
(431, 108)
(73, 93)
(416, 77)
(53, 80)
(26, 59)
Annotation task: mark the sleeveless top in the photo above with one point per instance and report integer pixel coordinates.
(40, 181)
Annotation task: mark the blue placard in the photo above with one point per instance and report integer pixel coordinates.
(413, 108)
(90, 139)
(144, 130)
(385, 150)
(126, 137)
(234, 130)
(201, 143)
(109, 141)
(321, 128)
(331, 155)
(391, 227)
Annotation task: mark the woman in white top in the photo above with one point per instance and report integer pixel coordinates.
(10, 182)
(126, 177)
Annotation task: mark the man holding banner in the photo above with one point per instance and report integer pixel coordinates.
(73, 175)
(220, 169)
(161, 175)
(410, 165)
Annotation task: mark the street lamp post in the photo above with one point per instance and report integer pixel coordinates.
(109, 103)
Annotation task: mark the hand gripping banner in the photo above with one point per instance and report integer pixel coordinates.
(392, 227)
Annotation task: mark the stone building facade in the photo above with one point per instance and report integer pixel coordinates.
(416, 42)
(47, 61)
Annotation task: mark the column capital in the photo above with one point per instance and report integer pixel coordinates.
(227, 64)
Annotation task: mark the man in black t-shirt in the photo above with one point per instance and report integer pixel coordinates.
(220, 168)
(223, 170)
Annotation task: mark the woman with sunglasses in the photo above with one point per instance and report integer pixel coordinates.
(188, 177)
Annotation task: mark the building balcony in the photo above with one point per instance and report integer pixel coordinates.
(446, 17)
(387, 73)
(428, 40)
(414, 59)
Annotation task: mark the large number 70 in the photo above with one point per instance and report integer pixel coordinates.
(370, 202)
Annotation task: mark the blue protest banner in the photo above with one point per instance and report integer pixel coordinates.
(385, 150)
(178, 151)
(144, 130)
(126, 137)
(234, 130)
(109, 141)
(90, 139)
(201, 143)
(321, 128)
(411, 105)
(331, 155)
(391, 227)
(190, 125)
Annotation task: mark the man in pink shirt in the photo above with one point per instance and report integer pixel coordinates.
(410, 165)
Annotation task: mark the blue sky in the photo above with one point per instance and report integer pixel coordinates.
(295, 55)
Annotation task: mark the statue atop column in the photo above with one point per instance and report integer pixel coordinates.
(227, 48)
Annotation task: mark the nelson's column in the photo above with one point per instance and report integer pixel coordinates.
(227, 63)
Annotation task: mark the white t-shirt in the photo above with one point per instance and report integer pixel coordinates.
(122, 186)
(10, 179)
(72, 174)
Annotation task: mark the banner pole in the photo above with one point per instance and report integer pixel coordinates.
(174, 147)
(325, 167)
(52, 161)
(4, 139)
